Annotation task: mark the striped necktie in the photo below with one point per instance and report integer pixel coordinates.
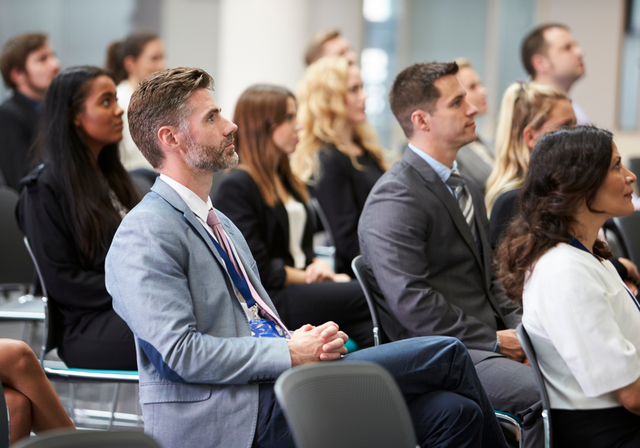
(465, 202)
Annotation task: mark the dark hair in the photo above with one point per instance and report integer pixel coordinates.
(313, 51)
(15, 52)
(567, 167)
(259, 111)
(161, 100)
(534, 43)
(131, 46)
(95, 219)
(413, 89)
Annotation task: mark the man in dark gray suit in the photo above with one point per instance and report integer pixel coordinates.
(424, 238)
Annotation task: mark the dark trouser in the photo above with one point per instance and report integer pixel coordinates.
(595, 428)
(511, 387)
(103, 341)
(447, 403)
(317, 303)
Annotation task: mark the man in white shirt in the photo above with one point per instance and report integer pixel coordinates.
(183, 278)
(551, 56)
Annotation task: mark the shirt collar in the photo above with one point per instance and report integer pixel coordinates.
(443, 171)
(193, 201)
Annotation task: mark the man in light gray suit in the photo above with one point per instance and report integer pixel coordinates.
(424, 242)
(209, 341)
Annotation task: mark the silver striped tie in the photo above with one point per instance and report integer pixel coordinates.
(464, 199)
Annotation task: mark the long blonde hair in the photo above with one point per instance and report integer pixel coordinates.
(524, 105)
(322, 113)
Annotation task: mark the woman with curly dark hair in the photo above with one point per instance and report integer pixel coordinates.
(583, 321)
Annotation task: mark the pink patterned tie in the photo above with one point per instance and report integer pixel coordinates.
(218, 231)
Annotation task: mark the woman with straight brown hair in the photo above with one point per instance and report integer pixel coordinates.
(269, 204)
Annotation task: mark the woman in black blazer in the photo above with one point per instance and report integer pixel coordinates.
(70, 208)
(339, 155)
(270, 207)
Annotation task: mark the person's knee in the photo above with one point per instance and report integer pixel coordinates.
(443, 415)
(20, 355)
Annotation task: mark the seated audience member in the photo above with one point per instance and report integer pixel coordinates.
(70, 208)
(583, 322)
(210, 342)
(32, 402)
(130, 61)
(328, 43)
(269, 204)
(425, 244)
(475, 160)
(338, 154)
(551, 56)
(529, 111)
(28, 66)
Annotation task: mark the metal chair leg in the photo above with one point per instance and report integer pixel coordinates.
(114, 403)
(73, 387)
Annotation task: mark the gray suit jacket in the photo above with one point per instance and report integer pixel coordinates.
(429, 276)
(199, 366)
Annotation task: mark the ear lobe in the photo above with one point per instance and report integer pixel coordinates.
(540, 63)
(128, 63)
(421, 120)
(17, 76)
(76, 120)
(170, 138)
(530, 137)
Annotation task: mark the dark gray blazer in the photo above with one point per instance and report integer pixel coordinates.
(430, 276)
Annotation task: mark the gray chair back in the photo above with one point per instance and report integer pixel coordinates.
(628, 227)
(344, 405)
(94, 439)
(357, 265)
(523, 337)
(16, 267)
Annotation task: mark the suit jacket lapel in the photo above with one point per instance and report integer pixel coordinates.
(173, 198)
(441, 191)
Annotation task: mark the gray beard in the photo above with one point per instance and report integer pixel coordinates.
(210, 158)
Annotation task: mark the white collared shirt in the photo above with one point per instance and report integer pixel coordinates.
(201, 210)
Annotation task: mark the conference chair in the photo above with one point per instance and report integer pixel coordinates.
(324, 245)
(529, 351)
(357, 265)
(95, 439)
(509, 422)
(344, 405)
(628, 227)
(57, 370)
(5, 428)
(16, 269)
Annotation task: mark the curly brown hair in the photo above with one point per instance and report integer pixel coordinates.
(566, 169)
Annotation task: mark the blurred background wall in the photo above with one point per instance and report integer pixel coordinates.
(241, 42)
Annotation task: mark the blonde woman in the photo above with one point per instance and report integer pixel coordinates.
(338, 155)
(528, 111)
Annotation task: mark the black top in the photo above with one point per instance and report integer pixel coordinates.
(342, 191)
(503, 211)
(265, 228)
(18, 127)
(73, 282)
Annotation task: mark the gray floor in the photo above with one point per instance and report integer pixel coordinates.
(93, 402)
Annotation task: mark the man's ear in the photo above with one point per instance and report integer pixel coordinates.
(171, 138)
(540, 63)
(17, 76)
(421, 120)
(530, 137)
